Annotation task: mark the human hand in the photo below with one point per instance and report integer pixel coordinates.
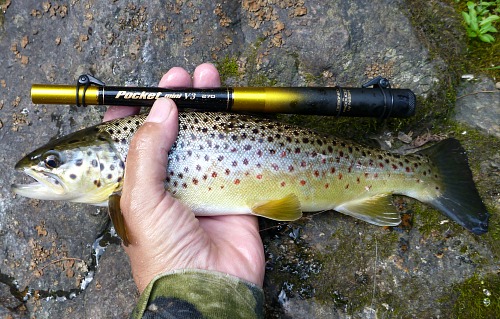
(165, 233)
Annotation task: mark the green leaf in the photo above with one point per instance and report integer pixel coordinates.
(489, 19)
(486, 38)
(466, 17)
(488, 28)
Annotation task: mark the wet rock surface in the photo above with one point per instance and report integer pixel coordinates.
(323, 266)
(478, 105)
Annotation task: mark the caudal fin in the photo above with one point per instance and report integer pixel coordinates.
(460, 200)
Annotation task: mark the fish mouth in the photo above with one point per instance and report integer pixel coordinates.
(46, 186)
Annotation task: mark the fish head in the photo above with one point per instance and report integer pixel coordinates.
(81, 167)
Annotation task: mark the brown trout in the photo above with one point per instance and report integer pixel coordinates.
(237, 164)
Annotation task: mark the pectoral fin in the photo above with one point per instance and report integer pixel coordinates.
(116, 216)
(283, 209)
(376, 210)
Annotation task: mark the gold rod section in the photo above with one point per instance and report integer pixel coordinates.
(265, 99)
(63, 94)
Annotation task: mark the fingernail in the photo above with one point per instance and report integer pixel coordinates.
(160, 111)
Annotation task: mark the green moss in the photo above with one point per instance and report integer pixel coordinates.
(228, 68)
(477, 297)
(261, 80)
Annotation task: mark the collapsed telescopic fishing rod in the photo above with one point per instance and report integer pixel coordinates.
(375, 98)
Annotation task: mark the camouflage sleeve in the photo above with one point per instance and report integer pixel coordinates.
(199, 294)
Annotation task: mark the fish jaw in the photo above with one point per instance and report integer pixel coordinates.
(46, 186)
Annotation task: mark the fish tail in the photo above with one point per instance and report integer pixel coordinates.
(460, 199)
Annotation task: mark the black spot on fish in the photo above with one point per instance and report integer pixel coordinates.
(79, 162)
(110, 176)
(122, 165)
(112, 167)
(94, 163)
(101, 166)
(119, 179)
(72, 176)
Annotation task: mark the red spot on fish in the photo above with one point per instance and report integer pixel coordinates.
(366, 175)
(340, 175)
(259, 153)
(214, 174)
(323, 161)
(408, 169)
(394, 166)
(316, 173)
(350, 169)
(236, 181)
(283, 184)
(303, 164)
(184, 185)
(275, 166)
(195, 181)
(332, 170)
(259, 176)
(302, 182)
(381, 165)
(327, 185)
(290, 168)
(222, 187)
(347, 186)
(283, 154)
(205, 177)
(375, 175)
(357, 180)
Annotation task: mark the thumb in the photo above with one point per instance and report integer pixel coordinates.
(147, 159)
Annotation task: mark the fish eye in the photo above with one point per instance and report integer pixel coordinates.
(52, 160)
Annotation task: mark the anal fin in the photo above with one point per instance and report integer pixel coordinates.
(115, 213)
(377, 210)
(287, 208)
